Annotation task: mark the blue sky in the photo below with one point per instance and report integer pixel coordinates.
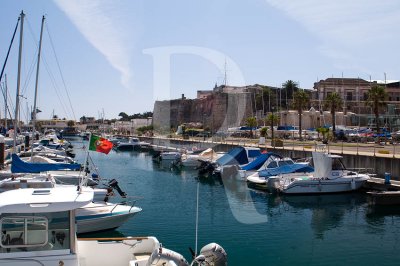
(123, 55)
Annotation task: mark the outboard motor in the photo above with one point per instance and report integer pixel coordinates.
(206, 168)
(157, 156)
(273, 184)
(114, 184)
(212, 254)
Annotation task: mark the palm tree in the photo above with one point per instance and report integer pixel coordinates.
(265, 98)
(333, 102)
(301, 101)
(271, 120)
(252, 123)
(290, 88)
(376, 100)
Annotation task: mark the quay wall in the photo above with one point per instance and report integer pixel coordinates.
(218, 111)
(375, 165)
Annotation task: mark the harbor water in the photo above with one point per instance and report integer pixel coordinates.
(255, 228)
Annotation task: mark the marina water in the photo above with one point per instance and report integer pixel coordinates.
(254, 227)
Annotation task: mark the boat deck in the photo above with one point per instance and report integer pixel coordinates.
(379, 184)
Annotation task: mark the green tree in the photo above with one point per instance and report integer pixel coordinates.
(289, 87)
(252, 123)
(324, 131)
(334, 103)
(271, 120)
(263, 132)
(301, 100)
(377, 97)
(71, 123)
(265, 98)
(83, 119)
(124, 116)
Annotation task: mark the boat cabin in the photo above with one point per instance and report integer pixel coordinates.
(327, 165)
(39, 225)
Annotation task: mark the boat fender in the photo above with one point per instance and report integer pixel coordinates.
(214, 254)
(353, 184)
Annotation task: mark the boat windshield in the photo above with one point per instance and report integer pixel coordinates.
(286, 162)
(337, 164)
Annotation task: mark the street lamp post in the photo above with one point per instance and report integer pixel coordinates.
(272, 122)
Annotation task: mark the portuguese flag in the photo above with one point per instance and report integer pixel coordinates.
(100, 144)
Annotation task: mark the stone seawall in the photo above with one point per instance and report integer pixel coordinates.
(217, 111)
(377, 165)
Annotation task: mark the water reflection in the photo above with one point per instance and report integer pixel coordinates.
(377, 215)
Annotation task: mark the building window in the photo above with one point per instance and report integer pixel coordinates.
(349, 96)
(365, 96)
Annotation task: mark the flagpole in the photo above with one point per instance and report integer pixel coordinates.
(84, 179)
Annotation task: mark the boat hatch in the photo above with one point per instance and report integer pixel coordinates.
(41, 192)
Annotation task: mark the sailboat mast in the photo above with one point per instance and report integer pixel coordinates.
(5, 101)
(37, 78)
(18, 81)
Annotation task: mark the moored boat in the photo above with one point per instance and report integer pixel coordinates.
(38, 227)
(330, 176)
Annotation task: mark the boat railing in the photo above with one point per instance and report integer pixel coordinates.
(321, 148)
(112, 238)
(131, 202)
(362, 170)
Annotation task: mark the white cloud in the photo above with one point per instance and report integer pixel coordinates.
(347, 28)
(98, 23)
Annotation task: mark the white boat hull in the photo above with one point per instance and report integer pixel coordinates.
(324, 186)
(45, 260)
(170, 156)
(103, 216)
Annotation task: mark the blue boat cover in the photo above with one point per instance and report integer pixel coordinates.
(254, 153)
(237, 155)
(286, 169)
(19, 166)
(257, 163)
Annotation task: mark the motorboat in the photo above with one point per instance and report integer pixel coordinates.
(117, 139)
(130, 145)
(195, 160)
(60, 151)
(38, 227)
(170, 155)
(329, 176)
(233, 159)
(101, 216)
(276, 166)
(263, 161)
